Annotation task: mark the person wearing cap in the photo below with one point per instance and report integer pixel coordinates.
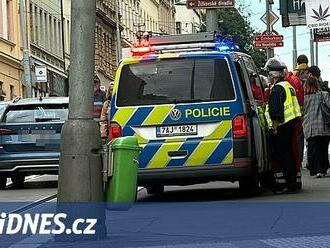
(281, 113)
(99, 95)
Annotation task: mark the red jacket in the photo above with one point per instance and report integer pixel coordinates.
(297, 85)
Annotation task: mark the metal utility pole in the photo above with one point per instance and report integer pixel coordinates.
(118, 38)
(80, 172)
(211, 20)
(26, 52)
(294, 50)
(270, 51)
(312, 48)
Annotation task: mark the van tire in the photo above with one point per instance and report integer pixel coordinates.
(18, 181)
(249, 185)
(156, 189)
(3, 182)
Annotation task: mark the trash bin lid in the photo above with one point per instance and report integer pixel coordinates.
(129, 143)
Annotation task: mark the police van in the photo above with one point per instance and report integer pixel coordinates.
(195, 104)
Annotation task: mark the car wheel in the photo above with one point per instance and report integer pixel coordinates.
(18, 181)
(249, 185)
(155, 189)
(3, 182)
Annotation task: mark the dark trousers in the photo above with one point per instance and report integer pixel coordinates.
(284, 152)
(317, 154)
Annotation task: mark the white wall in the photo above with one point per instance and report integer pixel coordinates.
(189, 19)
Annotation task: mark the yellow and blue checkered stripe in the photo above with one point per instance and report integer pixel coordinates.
(216, 148)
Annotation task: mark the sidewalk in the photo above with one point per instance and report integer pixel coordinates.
(212, 224)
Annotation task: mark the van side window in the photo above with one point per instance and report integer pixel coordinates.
(241, 79)
(254, 79)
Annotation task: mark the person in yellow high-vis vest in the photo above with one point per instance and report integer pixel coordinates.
(281, 113)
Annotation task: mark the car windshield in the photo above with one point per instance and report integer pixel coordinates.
(175, 81)
(36, 113)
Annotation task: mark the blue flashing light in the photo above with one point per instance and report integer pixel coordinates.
(226, 44)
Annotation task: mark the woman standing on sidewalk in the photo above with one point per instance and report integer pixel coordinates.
(316, 132)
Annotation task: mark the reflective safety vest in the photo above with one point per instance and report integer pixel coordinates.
(291, 106)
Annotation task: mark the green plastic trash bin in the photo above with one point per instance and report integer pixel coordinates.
(121, 189)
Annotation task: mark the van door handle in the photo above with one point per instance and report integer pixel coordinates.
(178, 154)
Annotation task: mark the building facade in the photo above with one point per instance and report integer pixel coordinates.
(10, 51)
(157, 16)
(47, 46)
(105, 41)
(187, 21)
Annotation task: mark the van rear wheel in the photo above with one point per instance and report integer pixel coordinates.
(3, 182)
(249, 185)
(156, 189)
(18, 181)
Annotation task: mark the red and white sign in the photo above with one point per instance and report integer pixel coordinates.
(268, 41)
(268, 44)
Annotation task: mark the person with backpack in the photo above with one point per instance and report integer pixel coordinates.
(316, 125)
(301, 70)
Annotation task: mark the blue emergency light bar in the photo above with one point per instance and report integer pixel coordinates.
(183, 43)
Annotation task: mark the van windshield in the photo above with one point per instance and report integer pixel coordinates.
(175, 81)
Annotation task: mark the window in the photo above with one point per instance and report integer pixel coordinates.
(2, 93)
(254, 79)
(174, 81)
(12, 92)
(10, 25)
(6, 19)
(32, 114)
(178, 27)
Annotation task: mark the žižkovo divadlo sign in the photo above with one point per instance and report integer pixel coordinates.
(210, 4)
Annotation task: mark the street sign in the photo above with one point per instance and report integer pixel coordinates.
(270, 38)
(273, 18)
(41, 74)
(210, 4)
(268, 44)
(317, 13)
(268, 41)
(321, 34)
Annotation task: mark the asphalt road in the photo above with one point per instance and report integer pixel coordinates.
(314, 190)
(205, 215)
